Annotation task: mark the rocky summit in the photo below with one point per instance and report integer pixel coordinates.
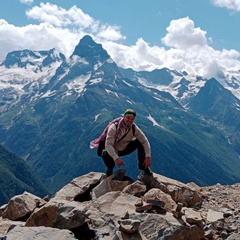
(94, 206)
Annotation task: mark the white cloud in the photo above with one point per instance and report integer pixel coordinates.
(139, 56)
(59, 28)
(60, 17)
(36, 37)
(187, 46)
(229, 4)
(110, 32)
(188, 51)
(74, 19)
(182, 34)
(26, 1)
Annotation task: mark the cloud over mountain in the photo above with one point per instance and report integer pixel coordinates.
(185, 47)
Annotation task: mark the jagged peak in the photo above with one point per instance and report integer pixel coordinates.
(21, 58)
(90, 50)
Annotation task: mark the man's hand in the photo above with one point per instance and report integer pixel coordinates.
(119, 162)
(147, 162)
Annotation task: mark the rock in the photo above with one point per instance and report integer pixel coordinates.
(193, 217)
(226, 212)
(124, 236)
(209, 234)
(6, 225)
(21, 205)
(156, 193)
(112, 183)
(126, 216)
(144, 208)
(156, 203)
(105, 212)
(214, 216)
(2, 208)
(115, 203)
(39, 233)
(156, 207)
(129, 226)
(60, 214)
(136, 189)
(179, 191)
(234, 236)
(139, 203)
(78, 186)
(167, 228)
(177, 213)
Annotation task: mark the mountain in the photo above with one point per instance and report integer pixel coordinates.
(16, 177)
(36, 59)
(24, 72)
(219, 105)
(208, 98)
(181, 85)
(51, 125)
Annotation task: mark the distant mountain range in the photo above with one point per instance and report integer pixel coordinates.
(52, 107)
(16, 177)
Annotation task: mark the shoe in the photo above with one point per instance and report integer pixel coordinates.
(145, 173)
(109, 172)
(140, 176)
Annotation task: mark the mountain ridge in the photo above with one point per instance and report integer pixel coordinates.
(85, 92)
(16, 177)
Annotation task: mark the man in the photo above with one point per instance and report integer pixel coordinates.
(123, 139)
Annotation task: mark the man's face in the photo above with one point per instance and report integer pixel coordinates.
(128, 120)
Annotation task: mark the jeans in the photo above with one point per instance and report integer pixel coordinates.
(131, 147)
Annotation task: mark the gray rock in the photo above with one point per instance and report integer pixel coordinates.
(112, 183)
(39, 233)
(21, 205)
(129, 226)
(60, 214)
(78, 186)
(214, 216)
(116, 204)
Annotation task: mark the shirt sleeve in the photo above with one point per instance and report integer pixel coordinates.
(143, 140)
(110, 140)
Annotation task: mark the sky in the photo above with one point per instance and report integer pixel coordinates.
(197, 36)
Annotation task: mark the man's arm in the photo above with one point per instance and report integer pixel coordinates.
(110, 140)
(143, 140)
(109, 145)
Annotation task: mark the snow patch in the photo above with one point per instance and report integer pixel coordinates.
(130, 85)
(153, 121)
(108, 91)
(78, 84)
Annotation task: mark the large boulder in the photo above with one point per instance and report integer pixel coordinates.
(115, 182)
(79, 186)
(39, 233)
(21, 206)
(179, 191)
(60, 214)
(6, 225)
(156, 193)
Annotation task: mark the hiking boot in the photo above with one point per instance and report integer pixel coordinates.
(144, 173)
(109, 172)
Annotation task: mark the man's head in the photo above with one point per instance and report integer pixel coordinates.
(129, 116)
(130, 112)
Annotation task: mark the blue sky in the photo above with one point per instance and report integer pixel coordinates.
(179, 34)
